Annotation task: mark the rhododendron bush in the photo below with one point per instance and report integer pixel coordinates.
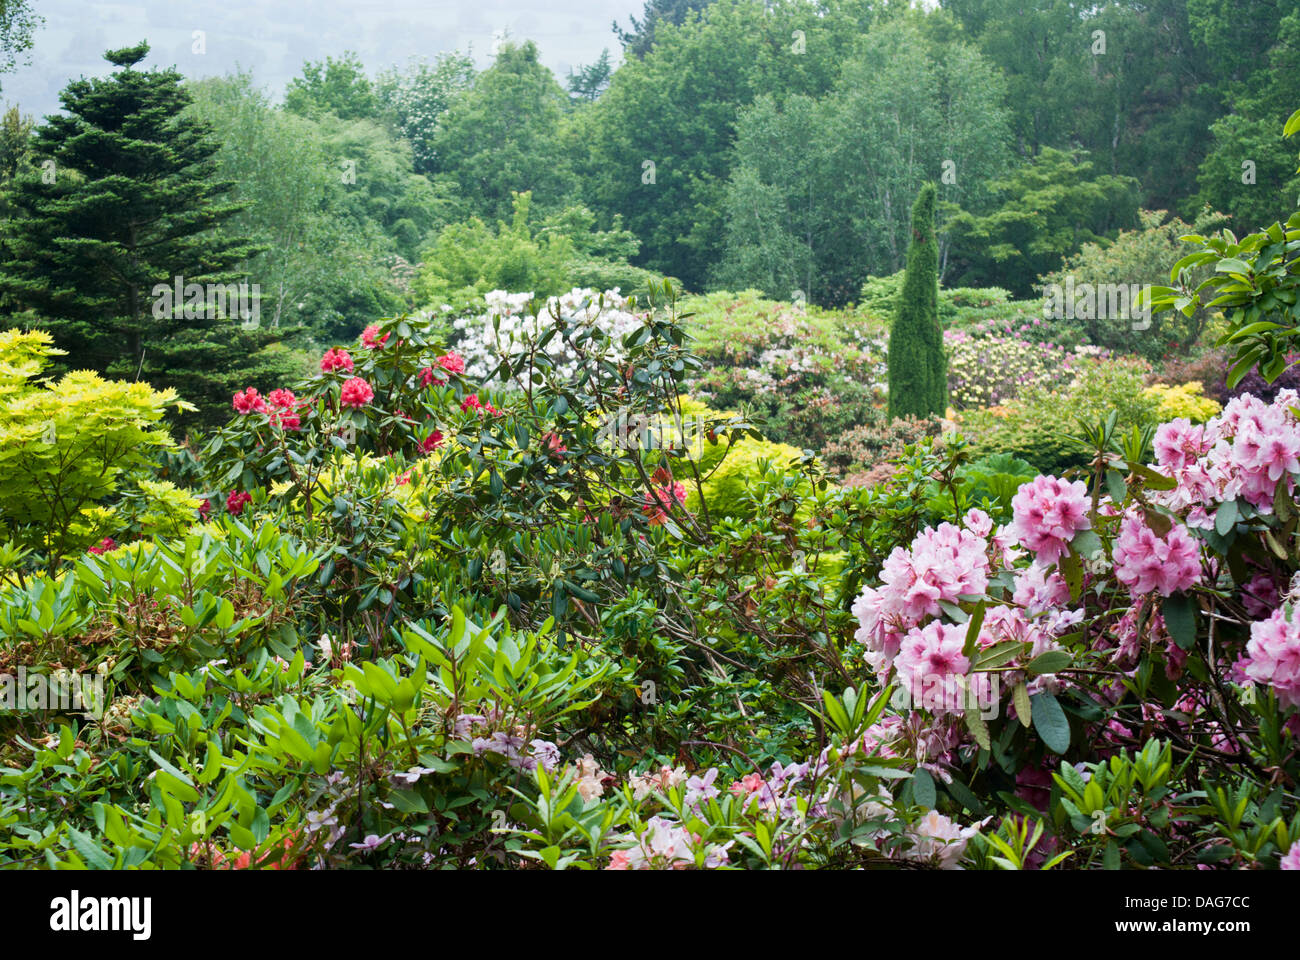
(468, 605)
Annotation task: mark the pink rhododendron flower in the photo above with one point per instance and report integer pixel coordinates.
(1273, 655)
(105, 545)
(1260, 596)
(979, 523)
(591, 779)
(236, 502)
(1039, 588)
(1179, 444)
(746, 785)
(660, 781)
(431, 442)
(1047, 513)
(944, 563)
(1145, 562)
(451, 362)
(929, 662)
(665, 845)
(553, 446)
(472, 402)
(356, 393)
(370, 338)
(336, 358)
(1292, 859)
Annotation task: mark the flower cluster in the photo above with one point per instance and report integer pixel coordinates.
(249, 401)
(664, 845)
(336, 358)
(1273, 655)
(1048, 513)
(370, 338)
(943, 564)
(659, 501)
(1146, 561)
(506, 327)
(356, 393)
(1242, 453)
(451, 362)
(472, 402)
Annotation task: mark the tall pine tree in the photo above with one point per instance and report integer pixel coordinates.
(119, 199)
(918, 370)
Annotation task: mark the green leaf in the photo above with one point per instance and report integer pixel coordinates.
(1086, 542)
(1110, 859)
(1292, 124)
(1180, 619)
(89, 850)
(1232, 265)
(1050, 722)
(979, 729)
(1024, 709)
(1115, 486)
(923, 788)
(1049, 662)
(973, 630)
(1225, 518)
(963, 795)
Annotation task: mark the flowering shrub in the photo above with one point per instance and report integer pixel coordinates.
(808, 374)
(455, 626)
(1037, 425)
(504, 331)
(987, 370)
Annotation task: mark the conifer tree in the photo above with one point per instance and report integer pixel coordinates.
(120, 199)
(918, 370)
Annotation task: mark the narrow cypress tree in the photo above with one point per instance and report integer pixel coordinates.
(130, 203)
(918, 370)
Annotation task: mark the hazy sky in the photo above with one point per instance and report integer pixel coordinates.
(273, 37)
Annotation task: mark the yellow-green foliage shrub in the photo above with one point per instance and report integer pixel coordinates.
(67, 446)
(727, 472)
(1185, 400)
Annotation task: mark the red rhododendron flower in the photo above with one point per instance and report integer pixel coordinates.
(427, 377)
(104, 546)
(370, 337)
(336, 358)
(356, 393)
(248, 401)
(553, 446)
(472, 402)
(452, 362)
(205, 508)
(236, 502)
(286, 406)
(431, 442)
(659, 501)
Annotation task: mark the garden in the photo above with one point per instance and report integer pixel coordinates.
(560, 562)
